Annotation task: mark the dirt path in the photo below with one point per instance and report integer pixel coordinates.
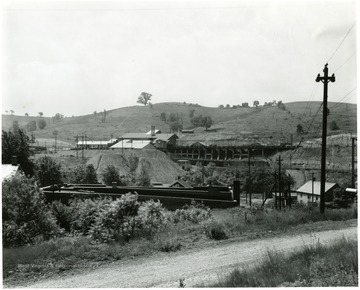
(195, 266)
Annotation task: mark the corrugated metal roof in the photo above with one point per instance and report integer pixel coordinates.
(132, 144)
(93, 142)
(143, 136)
(8, 170)
(307, 187)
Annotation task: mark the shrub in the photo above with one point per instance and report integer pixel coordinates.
(216, 231)
(26, 217)
(84, 212)
(41, 124)
(342, 198)
(63, 214)
(110, 175)
(334, 126)
(193, 213)
(133, 163)
(150, 218)
(116, 221)
(143, 178)
(171, 245)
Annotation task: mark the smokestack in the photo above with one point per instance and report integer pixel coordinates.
(14, 161)
(152, 130)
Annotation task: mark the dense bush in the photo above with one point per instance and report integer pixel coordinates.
(83, 174)
(117, 220)
(17, 143)
(47, 171)
(84, 211)
(26, 217)
(193, 213)
(106, 220)
(216, 231)
(111, 174)
(63, 214)
(342, 198)
(151, 218)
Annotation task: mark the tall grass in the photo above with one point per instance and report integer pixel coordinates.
(262, 220)
(313, 266)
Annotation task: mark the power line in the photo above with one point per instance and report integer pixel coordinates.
(338, 104)
(341, 42)
(343, 98)
(312, 94)
(314, 117)
(345, 61)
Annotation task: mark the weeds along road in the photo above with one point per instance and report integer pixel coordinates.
(195, 266)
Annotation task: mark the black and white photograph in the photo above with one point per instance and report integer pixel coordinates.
(179, 144)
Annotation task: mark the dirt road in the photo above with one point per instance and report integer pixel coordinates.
(195, 266)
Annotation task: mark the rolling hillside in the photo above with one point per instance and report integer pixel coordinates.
(262, 124)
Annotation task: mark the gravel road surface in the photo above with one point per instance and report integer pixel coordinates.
(195, 266)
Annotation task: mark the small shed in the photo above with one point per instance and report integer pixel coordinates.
(310, 191)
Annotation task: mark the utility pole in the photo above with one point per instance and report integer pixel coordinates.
(236, 187)
(77, 140)
(82, 152)
(353, 162)
(289, 185)
(55, 141)
(279, 161)
(275, 179)
(249, 181)
(325, 79)
(312, 187)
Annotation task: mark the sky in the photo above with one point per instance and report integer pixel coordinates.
(77, 57)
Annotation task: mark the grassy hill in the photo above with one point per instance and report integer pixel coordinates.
(262, 124)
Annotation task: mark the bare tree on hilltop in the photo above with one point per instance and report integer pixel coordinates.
(144, 98)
